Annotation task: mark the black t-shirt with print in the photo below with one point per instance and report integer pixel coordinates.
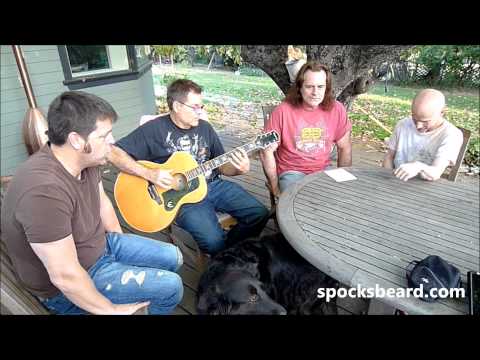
(159, 138)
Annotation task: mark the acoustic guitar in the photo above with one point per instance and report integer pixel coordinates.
(150, 208)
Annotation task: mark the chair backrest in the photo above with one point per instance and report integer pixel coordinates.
(452, 176)
(15, 299)
(146, 118)
(267, 111)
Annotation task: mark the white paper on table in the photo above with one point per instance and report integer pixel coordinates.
(340, 175)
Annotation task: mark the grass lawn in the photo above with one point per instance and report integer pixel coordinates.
(462, 108)
(254, 89)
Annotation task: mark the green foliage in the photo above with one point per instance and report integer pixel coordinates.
(181, 53)
(229, 53)
(446, 65)
(472, 156)
(164, 50)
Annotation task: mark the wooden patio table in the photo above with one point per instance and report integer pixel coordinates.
(365, 232)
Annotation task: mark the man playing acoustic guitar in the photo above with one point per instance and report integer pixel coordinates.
(183, 130)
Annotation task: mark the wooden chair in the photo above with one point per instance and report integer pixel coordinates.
(14, 298)
(452, 175)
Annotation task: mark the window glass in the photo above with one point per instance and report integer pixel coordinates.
(143, 54)
(96, 59)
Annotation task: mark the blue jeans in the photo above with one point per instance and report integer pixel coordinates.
(132, 269)
(201, 221)
(287, 178)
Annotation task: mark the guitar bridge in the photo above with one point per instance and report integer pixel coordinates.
(152, 191)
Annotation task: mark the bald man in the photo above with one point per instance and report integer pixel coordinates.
(425, 143)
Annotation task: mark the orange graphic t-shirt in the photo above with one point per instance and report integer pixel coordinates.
(307, 137)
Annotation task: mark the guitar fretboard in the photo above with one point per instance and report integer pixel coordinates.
(218, 161)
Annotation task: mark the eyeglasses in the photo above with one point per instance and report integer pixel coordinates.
(194, 108)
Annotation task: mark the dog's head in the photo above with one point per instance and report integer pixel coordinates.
(237, 293)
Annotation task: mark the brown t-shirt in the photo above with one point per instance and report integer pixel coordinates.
(45, 203)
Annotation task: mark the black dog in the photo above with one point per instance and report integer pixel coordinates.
(262, 276)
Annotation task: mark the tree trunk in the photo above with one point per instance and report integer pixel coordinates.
(191, 52)
(351, 65)
(271, 59)
(211, 61)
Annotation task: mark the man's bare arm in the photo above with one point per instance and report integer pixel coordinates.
(434, 171)
(127, 164)
(388, 159)
(427, 172)
(270, 168)
(344, 146)
(107, 212)
(65, 272)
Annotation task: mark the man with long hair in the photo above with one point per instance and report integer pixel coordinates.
(310, 122)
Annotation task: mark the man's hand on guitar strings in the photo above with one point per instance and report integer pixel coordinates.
(162, 178)
(239, 159)
(272, 147)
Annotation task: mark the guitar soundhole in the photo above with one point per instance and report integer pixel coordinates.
(181, 182)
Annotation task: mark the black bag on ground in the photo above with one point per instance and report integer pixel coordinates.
(432, 272)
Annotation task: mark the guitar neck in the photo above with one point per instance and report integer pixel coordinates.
(218, 161)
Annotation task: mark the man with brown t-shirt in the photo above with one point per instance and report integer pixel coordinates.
(62, 232)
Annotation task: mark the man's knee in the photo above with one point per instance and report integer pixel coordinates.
(263, 213)
(288, 178)
(179, 258)
(258, 215)
(178, 288)
(213, 243)
(173, 287)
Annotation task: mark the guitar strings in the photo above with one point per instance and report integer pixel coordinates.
(220, 160)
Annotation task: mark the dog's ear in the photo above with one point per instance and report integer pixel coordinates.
(252, 268)
(208, 302)
(202, 304)
(207, 299)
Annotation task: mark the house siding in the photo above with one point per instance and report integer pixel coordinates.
(131, 99)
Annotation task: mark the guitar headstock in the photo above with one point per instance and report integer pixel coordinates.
(264, 140)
